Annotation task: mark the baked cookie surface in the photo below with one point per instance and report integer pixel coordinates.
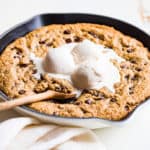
(17, 72)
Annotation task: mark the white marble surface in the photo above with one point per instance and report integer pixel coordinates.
(136, 134)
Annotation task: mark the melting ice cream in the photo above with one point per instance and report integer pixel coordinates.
(86, 65)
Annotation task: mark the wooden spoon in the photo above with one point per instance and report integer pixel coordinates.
(34, 98)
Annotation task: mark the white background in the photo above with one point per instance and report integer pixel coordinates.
(136, 134)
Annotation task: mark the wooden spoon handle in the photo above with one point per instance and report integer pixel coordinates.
(33, 98)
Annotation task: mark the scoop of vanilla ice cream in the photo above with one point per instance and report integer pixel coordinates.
(60, 60)
(85, 64)
(86, 50)
(86, 75)
(96, 74)
(95, 67)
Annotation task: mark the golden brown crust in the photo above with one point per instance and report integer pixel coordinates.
(16, 71)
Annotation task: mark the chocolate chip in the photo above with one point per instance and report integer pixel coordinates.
(127, 77)
(34, 71)
(12, 48)
(132, 61)
(68, 40)
(16, 57)
(77, 103)
(77, 39)
(53, 82)
(93, 34)
(138, 69)
(23, 65)
(41, 77)
(18, 52)
(131, 90)
(21, 91)
(135, 77)
(113, 100)
(55, 113)
(129, 50)
(42, 42)
(67, 32)
(126, 108)
(31, 61)
(58, 89)
(101, 37)
(49, 44)
(60, 106)
(88, 101)
(85, 91)
(124, 66)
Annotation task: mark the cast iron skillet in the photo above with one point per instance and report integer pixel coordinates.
(47, 19)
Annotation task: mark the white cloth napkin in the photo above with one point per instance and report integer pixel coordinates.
(24, 133)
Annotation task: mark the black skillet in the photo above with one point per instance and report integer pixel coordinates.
(47, 19)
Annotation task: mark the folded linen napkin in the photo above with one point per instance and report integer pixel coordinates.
(23, 133)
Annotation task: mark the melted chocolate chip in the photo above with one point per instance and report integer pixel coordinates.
(138, 69)
(55, 113)
(23, 65)
(49, 44)
(18, 52)
(135, 77)
(124, 66)
(16, 57)
(88, 101)
(42, 42)
(101, 37)
(132, 61)
(67, 32)
(113, 100)
(34, 71)
(77, 103)
(85, 91)
(31, 61)
(41, 77)
(127, 77)
(58, 89)
(129, 50)
(93, 34)
(53, 82)
(126, 108)
(77, 39)
(131, 90)
(22, 92)
(68, 40)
